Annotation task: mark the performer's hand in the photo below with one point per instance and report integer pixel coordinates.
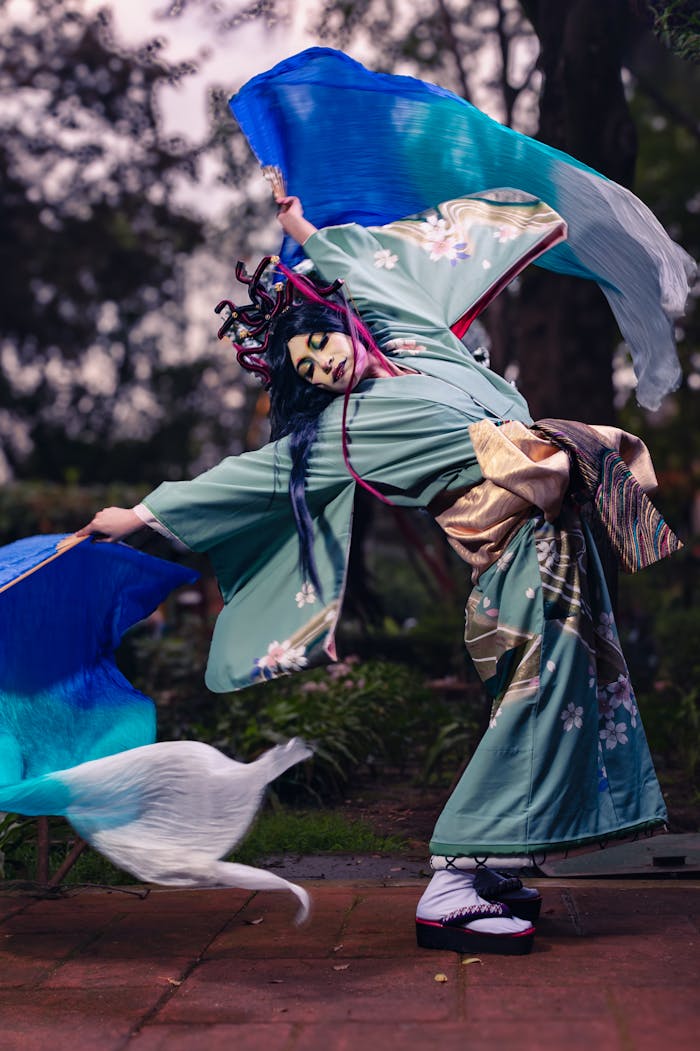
(291, 219)
(290, 205)
(114, 523)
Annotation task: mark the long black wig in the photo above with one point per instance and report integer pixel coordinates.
(296, 408)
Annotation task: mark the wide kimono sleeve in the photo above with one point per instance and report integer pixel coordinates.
(431, 274)
(405, 440)
(239, 515)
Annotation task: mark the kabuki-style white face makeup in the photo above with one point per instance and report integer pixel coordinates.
(325, 359)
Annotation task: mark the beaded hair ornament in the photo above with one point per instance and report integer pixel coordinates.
(250, 327)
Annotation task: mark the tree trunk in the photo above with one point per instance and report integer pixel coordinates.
(566, 333)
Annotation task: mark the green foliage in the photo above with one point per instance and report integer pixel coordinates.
(311, 832)
(44, 507)
(94, 240)
(668, 183)
(671, 702)
(14, 830)
(18, 854)
(433, 645)
(677, 23)
(659, 608)
(453, 741)
(274, 832)
(416, 619)
(360, 718)
(660, 621)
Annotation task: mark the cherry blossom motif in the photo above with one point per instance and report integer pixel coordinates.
(404, 346)
(619, 691)
(385, 259)
(591, 675)
(613, 734)
(440, 243)
(606, 626)
(615, 694)
(506, 233)
(494, 718)
(546, 553)
(505, 560)
(486, 264)
(572, 716)
(307, 595)
(282, 657)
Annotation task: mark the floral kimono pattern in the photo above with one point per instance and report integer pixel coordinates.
(539, 620)
(564, 762)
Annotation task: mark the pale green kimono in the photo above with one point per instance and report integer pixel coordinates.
(535, 781)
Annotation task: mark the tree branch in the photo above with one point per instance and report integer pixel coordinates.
(454, 48)
(509, 92)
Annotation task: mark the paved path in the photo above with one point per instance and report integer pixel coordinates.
(616, 967)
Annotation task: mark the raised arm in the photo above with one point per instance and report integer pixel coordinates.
(291, 219)
(113, 523)
(434, 269)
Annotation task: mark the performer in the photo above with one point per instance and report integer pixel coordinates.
(370, 384)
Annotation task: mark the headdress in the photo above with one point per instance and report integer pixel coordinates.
(250, 326)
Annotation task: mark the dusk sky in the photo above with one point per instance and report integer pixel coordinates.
(191, 36)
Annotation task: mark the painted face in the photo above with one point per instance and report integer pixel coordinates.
(325, 359)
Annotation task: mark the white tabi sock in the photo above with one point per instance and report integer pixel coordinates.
(450, 893)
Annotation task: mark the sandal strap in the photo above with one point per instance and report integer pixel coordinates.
(484, 911)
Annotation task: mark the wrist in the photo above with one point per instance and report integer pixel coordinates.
(298, 228)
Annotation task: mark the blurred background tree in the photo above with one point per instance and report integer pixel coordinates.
(677, 24)
(561, 71)
(101, 376)
(106, 367)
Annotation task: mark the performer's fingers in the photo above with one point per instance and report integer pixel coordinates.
(112, 523)
(95, 525)
(100, 538)
(90, 530)
(285, 203)
(86, 530)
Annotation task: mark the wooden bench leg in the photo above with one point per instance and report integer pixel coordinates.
(63, 870)
(42, 856)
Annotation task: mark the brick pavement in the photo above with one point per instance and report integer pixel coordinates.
(616, 967)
